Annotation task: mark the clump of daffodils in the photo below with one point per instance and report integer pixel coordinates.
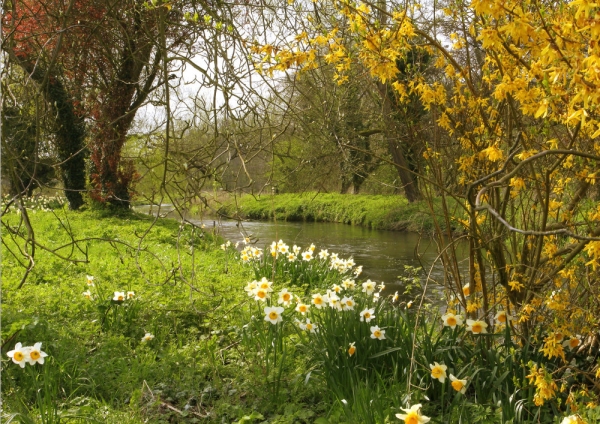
(21, 355)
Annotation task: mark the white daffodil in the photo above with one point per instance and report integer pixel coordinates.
(572, 419)
(19, 355)
(351, 349)
(367, 315)
(451, 320)
(458, 385)
(466, 290)
(291, 257)
(395, 297)
(368, 287)
(377, 333)
(438, 371)
(502, 317)
(285, 297)
(265, 284)
(413, 415)
(308, 326)
(87, 294)
(318, 300)
(130, 295)
(307, 256)
(358, 270)
(89, 280)
(381, 286)
(296, 249)
(573, 342)
(119, 296)
(273, 314)
(323, 254)
(302, 308)
(347, 304)
(251, 287)
(337, 289)
(147, 337)
(261, 294)
(476, 326)
(348, 284)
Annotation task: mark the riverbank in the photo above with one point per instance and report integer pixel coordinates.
(378, 212)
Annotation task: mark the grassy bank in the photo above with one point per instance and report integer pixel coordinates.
(373, 211)
(148, 321)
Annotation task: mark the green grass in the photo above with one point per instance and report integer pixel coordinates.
(383, 212)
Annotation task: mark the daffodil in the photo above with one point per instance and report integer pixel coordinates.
(273, 314)
(285, 297)
(302, 308)
(296, 249)
(36, 355)
(572, 419)
(458, 385)
(466, 289)
(358, 270)
(367, 315)
(348, 284)
(323, 254)
(307, 256)
(438, 371)
(451, 320)
(265, 284)
(261, 294)
(19, 355)
(476, 326)
(368, 287)
(147, 337)
(573, 342)
(291, 257)
(381, 287)
(334, 301)
(318, 301)
(130, 295)
(413, 415)
(351, 349)
(312, 247)
(284, 248)
(87, 294)
(347, 304)
(251, 287)
(119, 296)
(337, 289)
(377, 333)
(308, 326)
(502, 317)
(409, 304)
(89, 280)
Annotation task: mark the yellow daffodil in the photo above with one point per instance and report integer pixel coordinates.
(285, 297)
(147, 337)
(409, 304)
(302, 308)
(368, 287)
(395, 297)
(476, 326)
(377, 333)
(413, 415)
(367, 315)
(273, 314)
(119, 296)
(458, 385)
(351, 349)
(451, 320)
(19, 355)
(438, 371)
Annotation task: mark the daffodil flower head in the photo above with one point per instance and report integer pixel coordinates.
(130, 295)
(318, 300)
(291, 257)
(337, 289)
(458, 385)
(466, 289)
(476, 326)
(334, 301)
(302, 308)
(572, 419)
(451, 320)
(19, 355)
(87, 294)
(119, 296)
(381, 287)
(296, 249)
(312, 247)
(573, 342)
(285, 297)
(413, 415)
(409, 304)
(377, 333)
(89, 280)
(147, 337)
(502, 317)
(273, 314)
(36, 355)
(251, 287)
(358, 270)
(347, 304)
(308, 326)
(323, 254)
(368, 287)
(351, 349)
(348, 284)
(367, 315)
(438, 371)
(261, 294)
(265, 284)
(307, 256)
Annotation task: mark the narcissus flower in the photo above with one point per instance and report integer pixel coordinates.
(336, 289)
(302, 308)
(273, 314)
(147, 337)
(368, 287)
(285, 297)
(352, 349)
(87, 294)
(265, 284)
(395, 297)
(347, 304)
(261, 294)
(89, 280)
(348, 284)
(307, 256)
(119, 296)
(466, 289)
(476, 326)
(377, 333)
(502, 317)
(323, 254)
(358, 270)
(318, 301)
(572, 419)
(367, 315)
(19, 355)
(36, 355)
(130, 295)
(413, 415)
(458, 385)
(292, 257)
(438, 371)
(308, 326)
(251, 287)
(451, 320)
(573, 342)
